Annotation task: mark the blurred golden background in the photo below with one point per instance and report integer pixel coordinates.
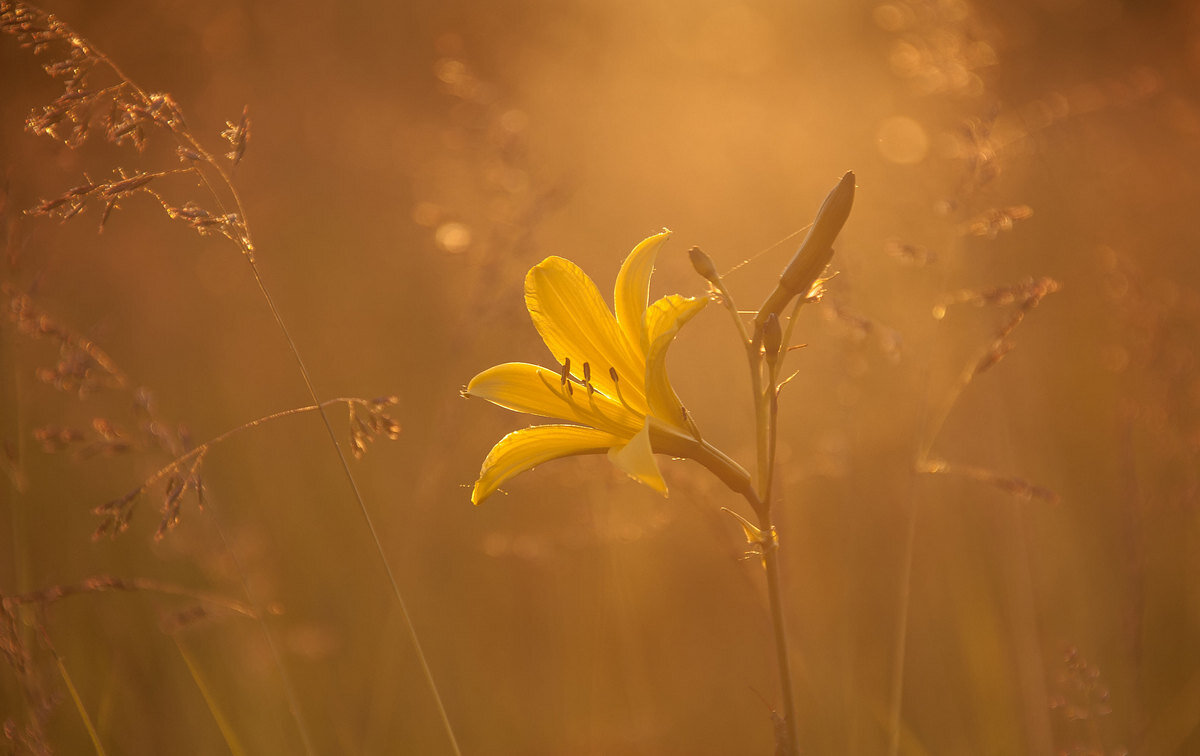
(408, 162)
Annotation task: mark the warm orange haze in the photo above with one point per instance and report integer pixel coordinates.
(939, 496)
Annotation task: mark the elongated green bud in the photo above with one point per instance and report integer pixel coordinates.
(815, 252)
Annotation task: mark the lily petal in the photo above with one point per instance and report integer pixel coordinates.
(613, 383)
(663, 320)
(576, 324)
(535, 390)
(524, 449)
(633, 290)
(636, 459)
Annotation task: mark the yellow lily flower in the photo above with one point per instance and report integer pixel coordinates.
(611, 386)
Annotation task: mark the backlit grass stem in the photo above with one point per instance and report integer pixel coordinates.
(141, 109)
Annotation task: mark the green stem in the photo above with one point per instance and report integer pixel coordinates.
(764, 383)
(765, 370)
(775, 596)
(765, 411)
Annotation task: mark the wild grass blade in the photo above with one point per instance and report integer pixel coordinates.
(79, 707)
(227, 732)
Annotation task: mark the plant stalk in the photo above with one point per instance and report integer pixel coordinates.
(764, 377)
(775, 596)
(765, 412)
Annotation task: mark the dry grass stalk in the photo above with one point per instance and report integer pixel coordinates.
(107, 584)
(990, 223)
(941, 49)
(82, 368)
(124, 114)
(906, 253)
(369, 419)
(1080, 699)
(18, 650)
(1015, 486)
(29, 736)
(98, 98)
(859, 328)
(1022, 297)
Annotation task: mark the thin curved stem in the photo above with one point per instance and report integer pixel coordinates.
(426, 671)
(247, 249)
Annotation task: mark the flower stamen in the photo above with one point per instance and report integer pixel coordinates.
(612, 373)
(566, 370)
(594, 414)
(587, 378)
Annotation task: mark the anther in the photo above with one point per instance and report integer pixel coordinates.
(587, 378)
(612, 373)
(566, 371)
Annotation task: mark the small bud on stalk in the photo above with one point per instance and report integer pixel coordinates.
(704, 265)
(814, 253)
(772, 339)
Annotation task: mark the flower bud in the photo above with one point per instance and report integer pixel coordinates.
(815, 252)
(772, 339)
(704, 265)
